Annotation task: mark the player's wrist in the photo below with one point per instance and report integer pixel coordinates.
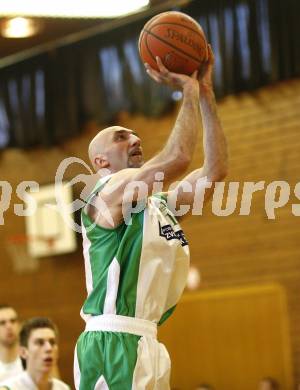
(206, 87)
(191, 89)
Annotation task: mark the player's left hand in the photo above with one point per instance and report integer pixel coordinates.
(173, 80)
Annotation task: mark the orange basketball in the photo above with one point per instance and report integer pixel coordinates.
(177, 39)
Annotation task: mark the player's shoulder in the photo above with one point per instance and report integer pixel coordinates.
(124, 175)
(16, 382)
(119, 183)
(59, 385)
(161, 196)
(10, 383)
(114, 181)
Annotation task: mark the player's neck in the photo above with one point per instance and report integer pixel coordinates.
(9, 354)
(42, 380)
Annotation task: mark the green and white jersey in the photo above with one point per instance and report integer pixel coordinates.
(138, 269)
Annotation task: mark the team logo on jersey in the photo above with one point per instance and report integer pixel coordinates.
(169, 233)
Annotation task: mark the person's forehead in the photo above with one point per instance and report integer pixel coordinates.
(42, 333)
(8, 314)
(122, 130)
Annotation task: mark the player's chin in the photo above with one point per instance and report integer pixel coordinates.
(11, 340)
(135, 163)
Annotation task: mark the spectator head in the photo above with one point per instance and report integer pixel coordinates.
(38, 345)
(9, 326)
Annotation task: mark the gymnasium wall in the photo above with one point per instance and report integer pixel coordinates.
(262, 129)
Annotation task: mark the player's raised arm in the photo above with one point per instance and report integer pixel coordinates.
(176, 154)
(178, 151)
(118, 149)
(214, 168)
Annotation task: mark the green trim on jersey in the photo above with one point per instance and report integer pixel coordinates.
(129, 253)
(166, 315)
(101, 254)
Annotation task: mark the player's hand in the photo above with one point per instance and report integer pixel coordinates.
(173, 80)
(206, 70)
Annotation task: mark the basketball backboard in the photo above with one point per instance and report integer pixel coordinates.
(47, 224)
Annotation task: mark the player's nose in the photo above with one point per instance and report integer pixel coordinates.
(48, 346)
(136, 141)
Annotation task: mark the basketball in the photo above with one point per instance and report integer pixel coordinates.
(177, 39)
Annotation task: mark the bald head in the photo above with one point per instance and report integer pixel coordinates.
(99, 143)
(103, 151)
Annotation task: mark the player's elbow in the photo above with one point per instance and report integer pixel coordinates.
(218, 173)
(181, 161)
(222, 173)
(223, 169)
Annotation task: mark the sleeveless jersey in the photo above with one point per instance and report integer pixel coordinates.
(137, 269)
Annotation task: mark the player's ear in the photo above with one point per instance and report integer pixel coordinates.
(101, 161)
(23, 352)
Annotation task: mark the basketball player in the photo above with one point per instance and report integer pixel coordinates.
(10, 362)
(39, 351)
(137, 263)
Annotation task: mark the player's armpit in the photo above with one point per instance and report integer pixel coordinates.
(191, 194)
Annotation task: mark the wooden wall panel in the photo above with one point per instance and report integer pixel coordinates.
(230, 338)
